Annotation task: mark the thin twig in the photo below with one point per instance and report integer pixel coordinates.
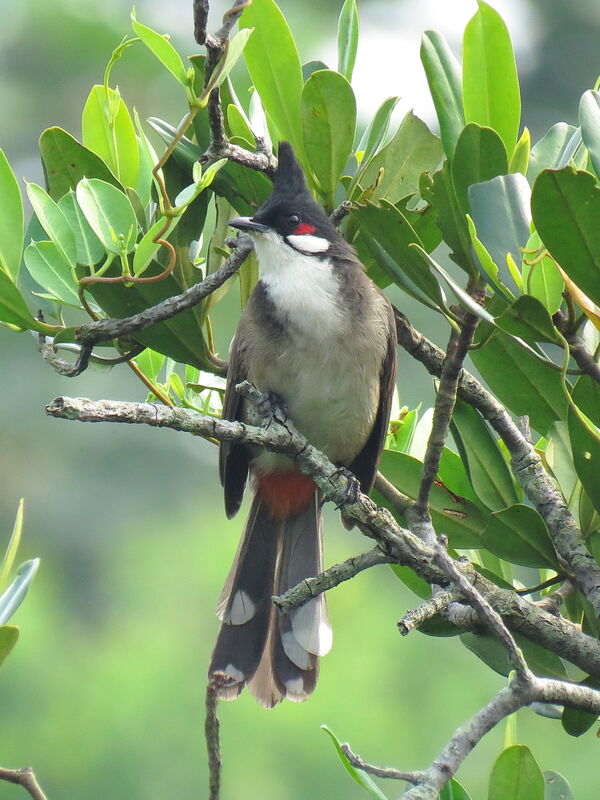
(329, 579)
(341, 212)
(211, 733)
(399, 501)
(580, 354)
(381, 772)
(26, 778)
(418, 616)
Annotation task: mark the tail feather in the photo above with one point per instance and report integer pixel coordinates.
(275, 654)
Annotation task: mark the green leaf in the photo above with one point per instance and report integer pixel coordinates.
(454, 791)
(161, 47)
(109, 214)
(238, 123)
(328, 109)
(413, 150)
(526, 385)
(12, 598)
(230, 59)
(493, 653)
(584, 442)
(108, 130)
(460, 519)
(488, 471)
(377, 129)
(90, 249)
(13, 545)
(13, 309)
(248, 276)
(150, 362)
(394, 234)
(444, 78)
(518, 534)
(11, 220)
(490, 83)
(528, 319)
(488, 268)
(549, 151)
(479, 156)
(566, 208)
(362, 778)
(516, 775)
(559, 458)
(575, 722)
(275, 70)
(66, 162)
(48, 267)
(589, 118)
(541, 277)
(410, 579)
(440, 194)
(347, 38)
(8, 639)
(54, 222)
(520, 158)
(557, 787)
(502, 217)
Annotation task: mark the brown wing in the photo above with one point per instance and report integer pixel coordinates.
(364, 465)
(233, 458)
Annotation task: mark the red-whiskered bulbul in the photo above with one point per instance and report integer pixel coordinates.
(319, 335)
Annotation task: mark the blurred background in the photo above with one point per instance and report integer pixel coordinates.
(104, 692)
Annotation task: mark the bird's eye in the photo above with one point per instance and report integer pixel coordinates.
(293, 219)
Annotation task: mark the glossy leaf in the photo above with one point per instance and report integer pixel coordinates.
(108, 130)
(48, 267)
(53, 222)
(576, 723)
(150, 362)
(517, 775)
(377, 130)
(584, 442)
(440, 194)
(147, 248)
(12, 597)
(454, 791)
(489, 473)
(523, 383)
(541, 276)
(492, 652)
(394, 234)
(413, 150)
(347, 38)
(361, 777)
(500, 211)
(160, 46)
(328, 109)
(520, 158)
(491, 92)
(237, 123)
(589, 118)
(13, 309)
(109, 214)
(488, 267)
(528, 319)
(479, 156)
(13, 545)
(8, 639)
(519, 535)
(230, 58)
(557, 787)
(11, 220)
(460, 519)
(444, 78)
(566, 208)
(275, 70)
(66, 162)
(549, 151)
(89, 248)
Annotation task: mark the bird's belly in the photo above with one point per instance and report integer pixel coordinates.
(331, 394)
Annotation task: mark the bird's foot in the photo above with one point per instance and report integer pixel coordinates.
(352, 490)
(272, 408)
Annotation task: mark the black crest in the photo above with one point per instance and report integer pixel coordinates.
(289, 178)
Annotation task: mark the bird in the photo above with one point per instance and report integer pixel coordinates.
(319, 339)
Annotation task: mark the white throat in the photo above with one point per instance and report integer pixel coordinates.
(304, 288)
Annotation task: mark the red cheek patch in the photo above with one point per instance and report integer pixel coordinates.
(305, 228)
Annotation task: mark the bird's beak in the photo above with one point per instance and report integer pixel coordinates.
(248, 224)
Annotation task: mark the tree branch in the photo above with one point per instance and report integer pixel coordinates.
(554, 633)
(329, 579)
(580, 354)
(418, 616)
(381, 772)
(211, 733)
(527, 466)
(26, 778)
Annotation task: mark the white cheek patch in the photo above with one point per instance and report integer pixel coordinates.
(308, 243)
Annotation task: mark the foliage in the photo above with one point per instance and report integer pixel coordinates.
(118, 229)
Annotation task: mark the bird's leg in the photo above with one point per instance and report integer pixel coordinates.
(352, 490)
